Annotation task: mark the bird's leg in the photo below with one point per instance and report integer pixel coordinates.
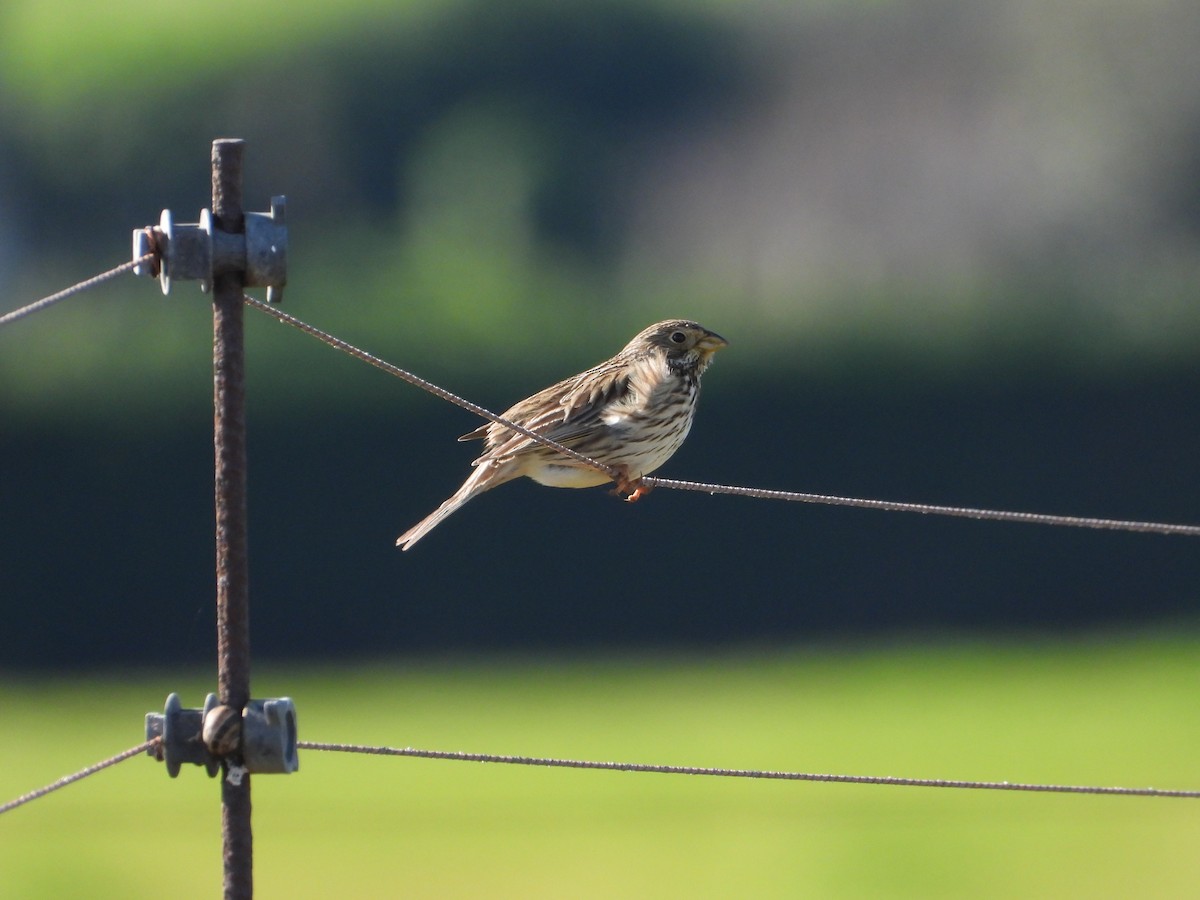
(627, 485)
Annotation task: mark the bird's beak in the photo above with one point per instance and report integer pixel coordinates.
(712, 342)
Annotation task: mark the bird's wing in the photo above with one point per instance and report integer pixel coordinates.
(561, 412)
(478, 434)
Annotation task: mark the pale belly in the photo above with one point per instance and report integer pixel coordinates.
(568, 476)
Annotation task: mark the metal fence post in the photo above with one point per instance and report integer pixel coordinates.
(229, 438)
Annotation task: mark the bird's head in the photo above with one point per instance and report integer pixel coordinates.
(686, 345)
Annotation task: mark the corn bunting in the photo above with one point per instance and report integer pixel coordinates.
(631, 412)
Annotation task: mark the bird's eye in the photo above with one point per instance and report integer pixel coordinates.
(678, 337)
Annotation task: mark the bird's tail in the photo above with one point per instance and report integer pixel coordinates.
(485, 477)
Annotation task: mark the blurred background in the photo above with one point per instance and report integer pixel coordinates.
(955, 248)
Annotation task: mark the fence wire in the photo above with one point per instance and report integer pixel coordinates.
(423, 384)
(78, 776)
(749, 773)
(39, 305)
(964, 512)
(705, 488)
(702, 771)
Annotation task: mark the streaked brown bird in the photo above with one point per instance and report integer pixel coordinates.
(631, 412)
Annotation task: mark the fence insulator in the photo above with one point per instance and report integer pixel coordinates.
(269, 737)
(197, 252)
(181, 743)
(262, 739)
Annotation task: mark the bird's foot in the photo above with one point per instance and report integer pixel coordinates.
(629, 489)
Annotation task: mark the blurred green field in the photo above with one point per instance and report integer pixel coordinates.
(1101, 711)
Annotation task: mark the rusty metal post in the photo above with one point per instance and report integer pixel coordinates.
(229, 438)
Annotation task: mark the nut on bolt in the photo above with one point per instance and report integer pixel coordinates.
(222, 731)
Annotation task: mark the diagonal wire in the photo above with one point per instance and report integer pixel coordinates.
(701, 487)
(749, 773)
(418, 381)
(74, 289)
(78, 776)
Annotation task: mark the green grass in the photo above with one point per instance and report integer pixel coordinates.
(1104, 712)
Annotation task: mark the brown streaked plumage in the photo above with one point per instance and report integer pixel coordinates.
(631, 412)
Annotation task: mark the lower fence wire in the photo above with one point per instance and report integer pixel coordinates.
(551, 762)
(78, 776)
(760, 493)
(749, 773)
